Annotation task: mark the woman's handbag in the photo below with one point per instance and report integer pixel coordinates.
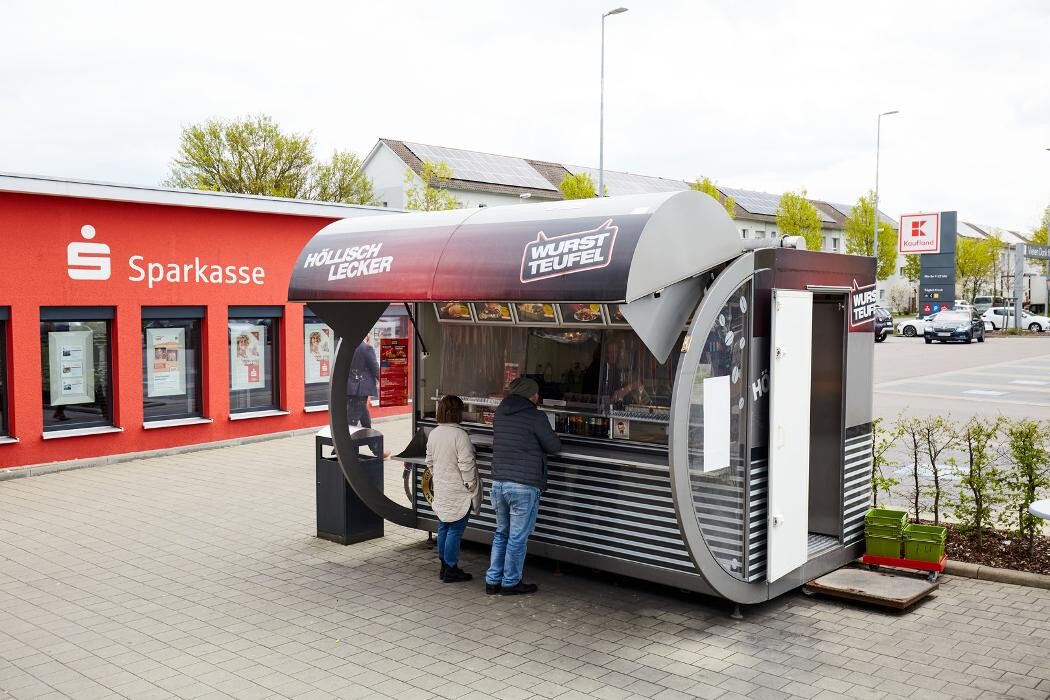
(476, 493)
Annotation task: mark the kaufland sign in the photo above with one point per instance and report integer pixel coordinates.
(919, 233)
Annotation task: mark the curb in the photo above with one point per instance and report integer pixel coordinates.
(990, 573)
(55, 467)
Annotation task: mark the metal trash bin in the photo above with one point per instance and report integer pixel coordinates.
(341, 515)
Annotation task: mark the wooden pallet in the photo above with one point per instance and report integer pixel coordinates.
(896, 590)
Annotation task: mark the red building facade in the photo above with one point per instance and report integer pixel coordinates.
(136, 319)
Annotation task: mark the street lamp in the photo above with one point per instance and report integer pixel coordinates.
(875, 214)
(601, 113)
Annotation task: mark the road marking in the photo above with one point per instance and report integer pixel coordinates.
(929, 395)
(1031, 382)
(984, 392)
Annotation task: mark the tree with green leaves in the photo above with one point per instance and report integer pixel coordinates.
(975, 260)
(938, 437)
(912, 266)
(429, 191)
(578, 186)
(859, 236)
(796, 216)
(1026, 477)
(708, 187)
(883, 440)
(980, 479)
(254, 156)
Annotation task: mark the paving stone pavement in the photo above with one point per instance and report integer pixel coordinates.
(199, 576)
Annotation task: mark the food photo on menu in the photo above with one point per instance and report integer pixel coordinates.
(581, 313)
(535, 313)
(454, 311)
(491, 311)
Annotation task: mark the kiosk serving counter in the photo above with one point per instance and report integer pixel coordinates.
(713, 397)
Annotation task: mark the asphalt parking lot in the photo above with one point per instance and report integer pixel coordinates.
(1004, 375)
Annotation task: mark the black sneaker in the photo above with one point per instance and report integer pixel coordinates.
(454, 574)
(493, 588)
(520, 588)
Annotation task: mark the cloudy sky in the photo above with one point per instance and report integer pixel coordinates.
(761, 94)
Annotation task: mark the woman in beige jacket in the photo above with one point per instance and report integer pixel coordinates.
(454, 474)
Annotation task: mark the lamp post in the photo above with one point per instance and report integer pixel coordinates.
(601, 112)
(875, 213)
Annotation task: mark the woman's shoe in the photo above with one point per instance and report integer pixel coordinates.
(454, 574)
(444, 570)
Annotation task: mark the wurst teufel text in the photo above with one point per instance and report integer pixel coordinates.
(574, 252)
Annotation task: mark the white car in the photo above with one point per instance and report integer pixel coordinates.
(913, 327)
(1003, 317)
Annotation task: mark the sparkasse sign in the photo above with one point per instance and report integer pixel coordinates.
(919, 233)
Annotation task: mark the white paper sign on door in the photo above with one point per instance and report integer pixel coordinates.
(716, 423)
(165, 362)
(247, 357)
(71, 367)
(319, 340)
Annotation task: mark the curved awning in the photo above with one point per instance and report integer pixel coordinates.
(612, 249)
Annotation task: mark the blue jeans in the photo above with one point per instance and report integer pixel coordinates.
(515, 506)
(449, 537)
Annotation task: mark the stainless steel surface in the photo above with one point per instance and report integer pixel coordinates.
(658, 319)
(826, 414)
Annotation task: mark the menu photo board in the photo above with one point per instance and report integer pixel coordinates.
(319, 341)
(535, 314)
(71, 367)
(166, 362)
(582, 314)
(393, 371)
(616, 317)
(454, 312)
(493, 312)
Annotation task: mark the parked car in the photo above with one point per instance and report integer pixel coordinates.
(912, 327)
(983, 303)
(883, 324)
(954, 325)
(1003, 317)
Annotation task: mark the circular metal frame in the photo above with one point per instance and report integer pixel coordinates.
(718, 578)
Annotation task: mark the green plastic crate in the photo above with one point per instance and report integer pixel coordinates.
(882, 546)
(924, 542)
(884, 517)
(883, 531)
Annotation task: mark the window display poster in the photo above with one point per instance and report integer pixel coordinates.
(247, 358)
(71, 366)
(166, 361)
(393, 372)
(320, 352)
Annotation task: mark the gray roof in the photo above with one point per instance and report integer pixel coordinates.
(145, 194)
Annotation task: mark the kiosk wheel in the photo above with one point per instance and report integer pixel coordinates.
(932, 576)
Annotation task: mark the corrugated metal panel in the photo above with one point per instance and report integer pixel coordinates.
(856, 486)
(620, 510)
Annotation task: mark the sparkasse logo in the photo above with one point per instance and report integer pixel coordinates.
(87, 261)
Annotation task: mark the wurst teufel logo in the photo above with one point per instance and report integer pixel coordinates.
(862, 303)
(555, 256)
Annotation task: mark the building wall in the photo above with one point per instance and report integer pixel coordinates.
(387, 172)
(34, 273)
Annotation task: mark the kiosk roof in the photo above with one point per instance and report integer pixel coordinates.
(611, 249)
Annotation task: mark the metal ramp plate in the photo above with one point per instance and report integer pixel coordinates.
(888, 589)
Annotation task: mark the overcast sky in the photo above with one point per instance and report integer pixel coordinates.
(761, 95)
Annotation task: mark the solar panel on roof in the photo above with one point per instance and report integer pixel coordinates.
(762, 202)
(617, 183)
(483, 167)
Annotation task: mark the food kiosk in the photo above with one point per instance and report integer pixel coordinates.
(713, 394)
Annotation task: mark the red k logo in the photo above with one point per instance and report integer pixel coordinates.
(916, 228)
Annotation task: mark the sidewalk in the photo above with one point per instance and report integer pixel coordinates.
(198, 576)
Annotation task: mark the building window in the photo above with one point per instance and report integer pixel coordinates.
(5, 315)
(760, 234)
(77, 381)
(254, 353)
(171, 362)
(319, 343)
(744, 233)
(902, 272)
(834, 244)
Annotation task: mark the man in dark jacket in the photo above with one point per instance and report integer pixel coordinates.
(361, 384)
(522, 438)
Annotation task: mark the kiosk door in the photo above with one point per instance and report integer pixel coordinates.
(789, 396)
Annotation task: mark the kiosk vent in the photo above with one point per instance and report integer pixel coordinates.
(856, 482)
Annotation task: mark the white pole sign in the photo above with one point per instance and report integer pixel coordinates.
(166, 368)
(919, 233)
